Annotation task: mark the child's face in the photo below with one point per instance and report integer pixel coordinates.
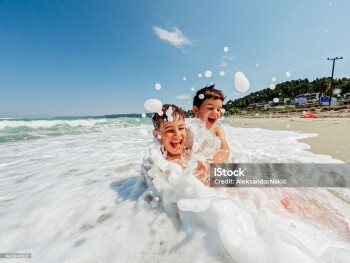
(209, 111)
(173, 136)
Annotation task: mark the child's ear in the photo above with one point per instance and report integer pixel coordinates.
(155, 133)
(195, 110)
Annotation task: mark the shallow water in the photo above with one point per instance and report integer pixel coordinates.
(66, 197)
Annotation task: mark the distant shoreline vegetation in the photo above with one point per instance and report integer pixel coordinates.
(289, 89)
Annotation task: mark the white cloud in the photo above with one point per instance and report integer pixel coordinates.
(183, 97)
(175, 38)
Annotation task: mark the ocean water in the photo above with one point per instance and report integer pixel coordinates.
(66, 196)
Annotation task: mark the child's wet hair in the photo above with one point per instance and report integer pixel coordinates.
(209, 92)
(177, 113)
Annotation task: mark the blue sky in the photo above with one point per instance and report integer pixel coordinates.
(60, 58)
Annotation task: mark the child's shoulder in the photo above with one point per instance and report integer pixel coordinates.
(218, 130)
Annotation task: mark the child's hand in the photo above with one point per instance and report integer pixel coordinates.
(202, 171)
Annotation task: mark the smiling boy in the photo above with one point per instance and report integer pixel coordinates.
(207, 106)
(170, 130)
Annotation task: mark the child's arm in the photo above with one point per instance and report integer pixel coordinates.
(222, 155)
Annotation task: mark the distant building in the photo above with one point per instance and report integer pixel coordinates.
(308, 99)
(346, 98)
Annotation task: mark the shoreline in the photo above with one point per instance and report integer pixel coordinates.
(333, 133)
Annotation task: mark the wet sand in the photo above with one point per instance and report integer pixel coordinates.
(333, 133)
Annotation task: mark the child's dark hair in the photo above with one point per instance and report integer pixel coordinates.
(209, 92)
(176, 113)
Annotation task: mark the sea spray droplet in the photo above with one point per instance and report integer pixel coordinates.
(272, 86)
(153, 105)
(241, 82)
(158, 86)
(208, 74)
(225, 49)
(143, 132)
(222, 73)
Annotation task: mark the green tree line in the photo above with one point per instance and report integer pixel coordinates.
(289, 89)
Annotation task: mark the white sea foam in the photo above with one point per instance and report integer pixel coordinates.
(49, 123)
(68, 198)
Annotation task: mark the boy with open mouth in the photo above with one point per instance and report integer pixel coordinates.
(207, 106)
(170, 130)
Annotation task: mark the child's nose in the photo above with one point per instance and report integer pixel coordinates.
(177, 133)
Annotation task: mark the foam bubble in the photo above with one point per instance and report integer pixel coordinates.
(273, 79)
(225, 49)
(153, 105)
(143, 115)
(272, 86)
(257, 65)
(184, 78)
(222, 110)
(201, 96)
(208, 74)
(192, 88)
(288, 74)
(276, 100)
(241, 82)
(158, 86)
(199, 75)
(222, 73)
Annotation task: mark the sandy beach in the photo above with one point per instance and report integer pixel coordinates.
(333, 133)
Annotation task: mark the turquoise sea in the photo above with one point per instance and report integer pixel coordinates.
(19, 129)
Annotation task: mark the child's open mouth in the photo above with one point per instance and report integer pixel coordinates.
(211, 120)
(176, 145)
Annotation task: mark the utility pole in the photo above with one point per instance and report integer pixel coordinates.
(334, 59)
